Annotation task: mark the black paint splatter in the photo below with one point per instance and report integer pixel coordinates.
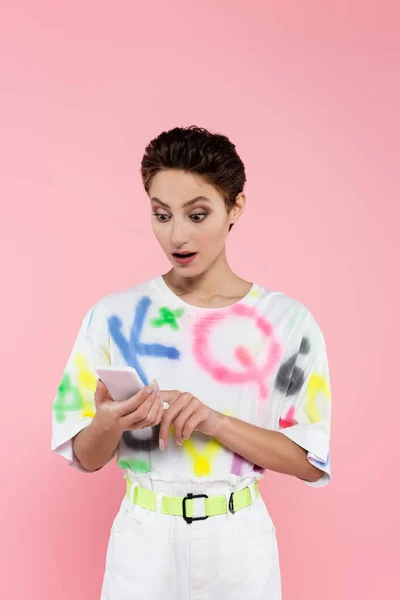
(290, 378)
(142, 444)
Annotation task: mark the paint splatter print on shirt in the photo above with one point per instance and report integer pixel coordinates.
(262, 360)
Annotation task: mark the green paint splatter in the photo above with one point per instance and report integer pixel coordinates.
(68, 398)
(168, 317)
(139, 466)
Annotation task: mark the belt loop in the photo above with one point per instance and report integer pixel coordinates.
(252, 494)
(159, 499)
(132, 496)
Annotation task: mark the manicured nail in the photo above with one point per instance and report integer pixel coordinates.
(152, 387)
(161, 445)
(179, 442)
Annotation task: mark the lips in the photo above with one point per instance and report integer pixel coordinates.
(183, 254)
(184, 258)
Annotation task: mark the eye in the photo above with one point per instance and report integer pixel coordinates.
(161, 217)
(198, 217)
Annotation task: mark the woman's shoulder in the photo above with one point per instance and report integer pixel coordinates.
(266, 299)
(118, 300)
(280, 306)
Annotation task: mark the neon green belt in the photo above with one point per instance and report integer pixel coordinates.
(183, 507)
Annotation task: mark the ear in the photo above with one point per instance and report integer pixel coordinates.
(237, 208)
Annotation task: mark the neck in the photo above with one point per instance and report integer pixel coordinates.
(218, 280)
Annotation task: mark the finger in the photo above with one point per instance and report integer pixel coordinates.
(137, 414)
(156, 420)
(101, 394)
(131, 404)
(154, 410)
(193, 421)
(159, 415)
(170, 396)
(181, 420)
(151, 420)
(133, 419)
(164, 404)
(170, 415)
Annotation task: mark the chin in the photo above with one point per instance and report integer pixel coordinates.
(189, 271)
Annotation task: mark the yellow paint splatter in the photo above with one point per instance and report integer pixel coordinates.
(254, 294)
(87, 385)
(316, 384)
(202, 460)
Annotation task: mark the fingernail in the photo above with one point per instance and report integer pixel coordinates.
(161, 445)
(152, 386)
(179, 442)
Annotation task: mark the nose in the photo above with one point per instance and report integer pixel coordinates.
(179, 234)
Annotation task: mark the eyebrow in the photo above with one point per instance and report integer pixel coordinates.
(188, 203)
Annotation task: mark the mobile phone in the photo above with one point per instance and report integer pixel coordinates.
(121, 382)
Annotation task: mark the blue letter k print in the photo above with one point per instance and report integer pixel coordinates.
(134, 348)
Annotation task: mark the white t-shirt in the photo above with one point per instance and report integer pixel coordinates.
(262, 360)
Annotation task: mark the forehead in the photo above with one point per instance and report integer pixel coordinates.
(175, 186)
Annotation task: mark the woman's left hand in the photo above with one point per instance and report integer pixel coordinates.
(187, 414)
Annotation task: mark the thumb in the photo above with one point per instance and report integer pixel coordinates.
(101, 391)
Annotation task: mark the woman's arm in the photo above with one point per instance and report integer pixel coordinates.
(95, 446)
(263, 447)
(266, 448)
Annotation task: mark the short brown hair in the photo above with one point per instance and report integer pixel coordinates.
(196, 149)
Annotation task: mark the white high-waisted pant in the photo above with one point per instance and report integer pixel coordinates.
(152, 556)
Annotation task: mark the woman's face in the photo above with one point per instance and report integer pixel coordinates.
(190, 220)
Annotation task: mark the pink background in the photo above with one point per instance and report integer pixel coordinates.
(310, 95)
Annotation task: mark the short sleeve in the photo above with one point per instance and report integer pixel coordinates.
(73, 406)
(306, 413)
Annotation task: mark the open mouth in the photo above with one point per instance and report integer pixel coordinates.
(184, 258)
(183, 254)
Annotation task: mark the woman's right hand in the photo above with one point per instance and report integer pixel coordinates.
(144, 409)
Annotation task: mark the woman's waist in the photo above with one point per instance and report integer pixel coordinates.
(173, 484)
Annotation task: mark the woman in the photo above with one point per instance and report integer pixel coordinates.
(243, 371)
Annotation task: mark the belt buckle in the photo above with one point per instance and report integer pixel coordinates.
(190, 497)
(230, 504)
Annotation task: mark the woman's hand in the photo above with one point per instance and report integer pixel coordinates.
(143, 409)
(187, 413)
